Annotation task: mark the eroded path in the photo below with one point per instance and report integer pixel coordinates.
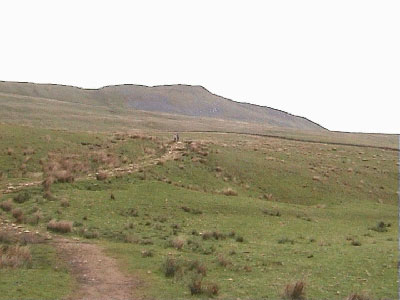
(97, 274)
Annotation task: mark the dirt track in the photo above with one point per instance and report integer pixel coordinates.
(97, 274)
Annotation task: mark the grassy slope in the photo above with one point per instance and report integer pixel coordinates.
(321, 217)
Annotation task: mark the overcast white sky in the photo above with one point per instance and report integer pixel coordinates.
(334, 62)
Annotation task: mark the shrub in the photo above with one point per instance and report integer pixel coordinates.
(6, 205)
(22, 197)
(60, 226)
(295, 291)
(171, 267)
(15, 256)
(229, 192)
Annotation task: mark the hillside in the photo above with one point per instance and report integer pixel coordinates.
(237, 216)
(184, 100)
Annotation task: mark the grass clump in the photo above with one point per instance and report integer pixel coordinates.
(35, 218)
(295, 291)
(15, 257)
(18, 214)
(171, 267)
(60, 226)
(6, 205)
(218, 235)
(285, 240)
(132, 212)
(222, 261)
(214, 234)
(64, 203)
(211, 289)
(147, 253)
(6, 237)
(229, 192)
(207, 235)
(101, 176)
(177, 243)
(192, 210)
(197, 287)
(90, 234)
(239, 239)
(197, 267)
(22, 197)
(358, 297)
(381, 227)
(271, 213)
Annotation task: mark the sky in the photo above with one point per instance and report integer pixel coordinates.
(334, 62)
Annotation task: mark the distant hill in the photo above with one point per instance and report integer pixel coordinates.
(184, 100)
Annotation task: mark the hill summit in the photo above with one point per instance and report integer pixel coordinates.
(185, 100)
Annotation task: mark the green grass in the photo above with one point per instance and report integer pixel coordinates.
(46, 279)
(335, 264)
(323, 233)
